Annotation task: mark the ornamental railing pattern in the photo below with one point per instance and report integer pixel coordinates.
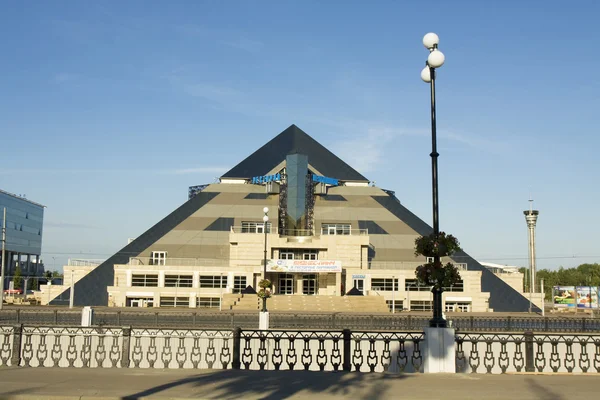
(167, 348)
(502, 353)
(317, 350)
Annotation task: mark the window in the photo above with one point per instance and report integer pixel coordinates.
(420, 305)
(158, 258)
(144, 280)
(395, 305)
(309, 284)
(384, 284)
(298, 254)
(429, 259)
(459, 306)
(178, 280)
(174, 301)
(335, 229)
(139, 302)
(213, 281)
(413, 286)
(239, 284)
(208, 302)
(255, 227)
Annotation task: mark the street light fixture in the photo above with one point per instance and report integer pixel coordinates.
(435, 60)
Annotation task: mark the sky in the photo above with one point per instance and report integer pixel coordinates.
(110, 110)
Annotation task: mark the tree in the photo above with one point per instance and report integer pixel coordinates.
(582, 275)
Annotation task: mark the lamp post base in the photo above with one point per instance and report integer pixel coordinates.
(439, 351)
(438, 320)
(263, 321)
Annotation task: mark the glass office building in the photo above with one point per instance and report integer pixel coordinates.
(24, 228)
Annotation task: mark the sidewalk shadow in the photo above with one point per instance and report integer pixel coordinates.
(274, 385)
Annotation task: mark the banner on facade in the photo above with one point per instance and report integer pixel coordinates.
(587, 297)
(564, 296)
(304, 266)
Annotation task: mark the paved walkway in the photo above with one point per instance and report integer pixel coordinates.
(109, 384)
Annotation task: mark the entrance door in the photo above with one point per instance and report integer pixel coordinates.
(286, 284)
(359, 284)
(309, 284)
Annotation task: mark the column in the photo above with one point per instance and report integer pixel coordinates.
(298, 282)
(161, 279)
(128, 275)
(28, 265)
(338, 284)
(196, 279)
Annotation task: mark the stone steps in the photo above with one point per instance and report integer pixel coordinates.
(362, 304)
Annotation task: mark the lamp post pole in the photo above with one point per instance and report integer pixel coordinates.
(3, 258)
(265, 223)
(434, 60)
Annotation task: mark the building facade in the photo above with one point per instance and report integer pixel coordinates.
(24, 229)
(329, 230)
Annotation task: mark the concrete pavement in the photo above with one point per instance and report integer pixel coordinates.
(105, 384)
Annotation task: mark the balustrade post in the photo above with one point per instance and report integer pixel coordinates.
(15, 359)
(237, 345)
(583, 327)
(508, 323)
(347, 351)
(56, 317)
(546, 324)
(529, 365)
(471, 322)
(118, 318)
(18, 316)
(126, 347)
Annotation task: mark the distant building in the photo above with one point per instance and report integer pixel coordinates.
(24, 228)
(330, 230)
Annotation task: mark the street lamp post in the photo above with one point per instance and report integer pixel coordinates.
(265, 223)
(434, 60)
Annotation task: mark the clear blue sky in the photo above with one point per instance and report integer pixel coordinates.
(110, 110)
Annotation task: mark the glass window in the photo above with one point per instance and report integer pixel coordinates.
(174, 301)
(420, 305)
(239, 284)
(395, 305)
(213, 281)
(208, 302)
(158, 258)
(144, 280)
(179, 280)
(255, 227)
(335, 229)
(384, 284)
(413, 286)
(459, 306)
(298, 254)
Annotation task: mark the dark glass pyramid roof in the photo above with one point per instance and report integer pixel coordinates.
(291, 141)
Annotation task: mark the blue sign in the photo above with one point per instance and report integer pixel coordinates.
(266, 178)
(325, 180)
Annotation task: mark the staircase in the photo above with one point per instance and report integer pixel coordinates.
(348, 304)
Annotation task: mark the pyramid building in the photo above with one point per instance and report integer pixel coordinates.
(329, 231)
